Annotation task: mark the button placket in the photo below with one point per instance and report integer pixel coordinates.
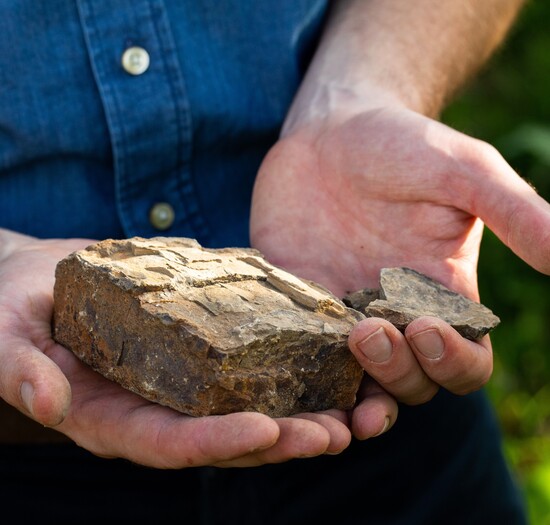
(147, 113)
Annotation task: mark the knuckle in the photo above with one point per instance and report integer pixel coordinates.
(482, 155)
(396, 379)
(421, 397)
(471, 384)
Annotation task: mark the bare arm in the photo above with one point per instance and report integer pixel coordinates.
(394, 51)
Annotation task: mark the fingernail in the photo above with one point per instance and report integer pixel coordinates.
(27, 395)
(377, 347)
(386, 426)
(429, 343)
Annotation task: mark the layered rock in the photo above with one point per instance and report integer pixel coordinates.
(205, 331)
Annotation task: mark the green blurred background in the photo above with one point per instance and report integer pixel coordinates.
(508, 105)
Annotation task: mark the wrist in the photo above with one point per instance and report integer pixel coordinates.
(331, 103)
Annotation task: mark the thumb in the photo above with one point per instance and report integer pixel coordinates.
(32, 383)
(514, 211)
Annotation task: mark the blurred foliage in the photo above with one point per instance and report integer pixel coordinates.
(508, 105)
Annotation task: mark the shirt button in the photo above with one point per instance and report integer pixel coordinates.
(135, 60)
(162, 216)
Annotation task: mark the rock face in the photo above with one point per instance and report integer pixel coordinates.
(205, 331)
(405, 294)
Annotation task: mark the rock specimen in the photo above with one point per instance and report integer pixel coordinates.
(205, 331)
(405, 294)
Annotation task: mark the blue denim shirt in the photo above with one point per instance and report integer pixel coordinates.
(88, 149)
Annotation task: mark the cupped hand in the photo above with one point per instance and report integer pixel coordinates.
(49, 384)
(337, 200)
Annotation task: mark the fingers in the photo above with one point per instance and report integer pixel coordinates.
(32, 383)
(238, 440)
(386, 356)
(335, 422)
(458, 364)
(413, 365)
(302, 436)
(179, 441)
(242, 439)
(298, 438)
(508, 205)
(376, 412)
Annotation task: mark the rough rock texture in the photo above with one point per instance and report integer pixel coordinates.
(405, 294)
(205, 331)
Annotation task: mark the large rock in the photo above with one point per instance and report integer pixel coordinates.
(205, 331)
(406, 294)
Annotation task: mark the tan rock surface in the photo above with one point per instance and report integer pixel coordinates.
(205, 331)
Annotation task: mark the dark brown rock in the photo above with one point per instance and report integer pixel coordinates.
(406, 294)
(205, 331)
(362, 298)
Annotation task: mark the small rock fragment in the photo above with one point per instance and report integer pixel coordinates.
(406, 294)
(362, 298)
(205, 331)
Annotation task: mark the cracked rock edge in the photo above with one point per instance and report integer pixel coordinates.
(205, 331)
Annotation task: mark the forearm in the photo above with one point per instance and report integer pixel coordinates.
(393, 51)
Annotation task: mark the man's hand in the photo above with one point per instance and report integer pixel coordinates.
(48, 383)
(337, 201)
(361, 180)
